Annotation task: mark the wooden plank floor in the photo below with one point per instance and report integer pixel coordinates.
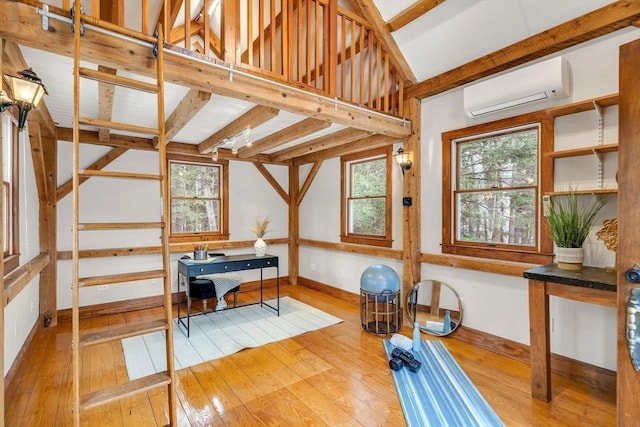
(337, 376)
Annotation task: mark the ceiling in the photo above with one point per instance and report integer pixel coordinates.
(453, 33)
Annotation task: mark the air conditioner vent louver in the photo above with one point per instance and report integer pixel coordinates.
(544, 80)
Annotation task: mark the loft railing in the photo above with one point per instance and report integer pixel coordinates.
(312, 44)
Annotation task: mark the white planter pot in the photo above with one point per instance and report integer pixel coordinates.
(260, 247)
(569, 258)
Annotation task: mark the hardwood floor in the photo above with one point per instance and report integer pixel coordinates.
(337, 376)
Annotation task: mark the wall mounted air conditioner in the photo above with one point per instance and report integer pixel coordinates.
(544, 80)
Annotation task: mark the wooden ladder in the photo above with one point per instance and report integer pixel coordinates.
(81, 341)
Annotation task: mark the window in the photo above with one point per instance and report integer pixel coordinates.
(366, 198)
(10, 214)
(492, 186)
(198, 194)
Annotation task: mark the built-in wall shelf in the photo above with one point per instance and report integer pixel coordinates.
(583, 192)
(586, 105)
(584, 151)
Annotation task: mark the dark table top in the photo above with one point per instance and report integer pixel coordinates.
(588, 277)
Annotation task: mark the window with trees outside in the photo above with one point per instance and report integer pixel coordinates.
(198, 197)
(10, 214)
(494, 191)
(366, 197)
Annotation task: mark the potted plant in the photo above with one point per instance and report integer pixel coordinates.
(260, 229)
(570, 218)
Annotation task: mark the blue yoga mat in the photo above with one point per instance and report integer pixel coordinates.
(440, 393)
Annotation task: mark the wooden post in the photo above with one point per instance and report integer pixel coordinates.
(2, 237)
(411, 237)
(628, 380)
(294, 223)
(228, 31)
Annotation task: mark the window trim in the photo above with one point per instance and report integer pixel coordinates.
(542, 253)
(361, 239)
(11, 259)
(224, 208)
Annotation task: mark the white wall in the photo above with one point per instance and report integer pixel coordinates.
(22, 312)
(103, 200)
(493, 303)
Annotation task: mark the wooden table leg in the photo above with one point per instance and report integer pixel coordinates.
(539, 345)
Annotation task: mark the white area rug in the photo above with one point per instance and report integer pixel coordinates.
(218, 334)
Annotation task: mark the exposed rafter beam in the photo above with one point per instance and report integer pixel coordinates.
(288, 134)
(106, 92)
(172, 15)
(605, 20)
(99, 164)
(372, 15)
(252, 118)
(188, 107)
(177, 33)
(343, 136)
(373, 141)
(411, 13)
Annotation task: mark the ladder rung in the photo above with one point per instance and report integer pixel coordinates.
(118, 80)
(95, 338)
(120, 278)
(122, 391)
(108, 174)
(119, 225)
(119, 126)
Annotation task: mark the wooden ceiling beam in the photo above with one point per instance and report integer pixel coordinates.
(106, 93)
(146, 144)
(188, 107)
(283, 136)
(600, 22)
(37, 157)
(252, 118)
(411, 13)
(372, 15)
(343, 136)
(373, 141)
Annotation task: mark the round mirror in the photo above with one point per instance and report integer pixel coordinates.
(435, 306)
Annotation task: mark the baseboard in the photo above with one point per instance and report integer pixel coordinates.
(329, 290)
(586, 373)
(19, 365)
(594, 376)
(116, 307)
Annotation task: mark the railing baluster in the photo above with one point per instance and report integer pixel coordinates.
(145, 17)
(187, 24)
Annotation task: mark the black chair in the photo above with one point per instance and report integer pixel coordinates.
(202, 289)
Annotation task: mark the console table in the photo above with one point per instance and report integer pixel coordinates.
(188, 268)
(592, 285)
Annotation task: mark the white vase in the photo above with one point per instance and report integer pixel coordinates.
(569, 258)
(260, 247)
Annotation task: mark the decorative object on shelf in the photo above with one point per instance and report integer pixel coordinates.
(570, 218)
(609, 235)
(199, 251)
(260, 229)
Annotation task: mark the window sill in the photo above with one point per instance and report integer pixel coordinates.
(529, 257)
(360, 240)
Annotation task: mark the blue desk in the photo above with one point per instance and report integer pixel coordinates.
(188, 269)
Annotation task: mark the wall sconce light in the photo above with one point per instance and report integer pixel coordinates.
(403, 160)
(27, 92)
